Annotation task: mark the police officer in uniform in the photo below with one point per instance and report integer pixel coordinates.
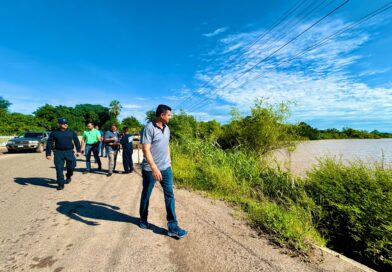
(64, 140)
(127, 145)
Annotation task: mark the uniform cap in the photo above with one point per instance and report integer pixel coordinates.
(63, 121)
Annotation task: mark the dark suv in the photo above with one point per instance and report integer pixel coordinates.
(29, 141)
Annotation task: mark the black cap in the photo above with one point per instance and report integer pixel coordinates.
(63, 121)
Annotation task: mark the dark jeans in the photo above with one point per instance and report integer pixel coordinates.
(100, 149)
(167, 185)
(127, 159)
(87, 151)
(61, 157)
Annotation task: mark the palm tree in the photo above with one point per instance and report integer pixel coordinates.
(150, 116)
(4, 105)
(115, 108)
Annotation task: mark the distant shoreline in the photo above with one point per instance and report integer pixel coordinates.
(348, 139)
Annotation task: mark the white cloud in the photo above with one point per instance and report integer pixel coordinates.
(216, 32)
(140, 114)
(131, 106)
(319, 81)
(372, 72)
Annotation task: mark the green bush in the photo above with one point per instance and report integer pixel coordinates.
(274, 201)
(355, 209)
(183, 126)
(265, 129)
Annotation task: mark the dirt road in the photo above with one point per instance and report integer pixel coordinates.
(92, 226)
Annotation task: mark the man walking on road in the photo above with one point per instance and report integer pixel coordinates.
(111, 139)
(64, 140)
(156, 166)
(127, 146)
(90, 143)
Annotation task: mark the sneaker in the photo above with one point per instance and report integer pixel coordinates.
(68, 181)
(60, 187)
(86, 172)
(143, 225)
(109, 174)
(177, 233)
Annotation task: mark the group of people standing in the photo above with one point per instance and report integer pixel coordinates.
(156, 164)
(93, 141)
(64, 140)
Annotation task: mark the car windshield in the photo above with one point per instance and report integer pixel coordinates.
(33, 135)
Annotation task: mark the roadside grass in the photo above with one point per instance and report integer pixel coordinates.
(268, 196)
(355, 212)
(347, 207)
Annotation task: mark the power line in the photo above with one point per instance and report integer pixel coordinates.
(274, 52)
(258, 38)
(296, 23)
(325, 40)
(281, 36)
(277, 39)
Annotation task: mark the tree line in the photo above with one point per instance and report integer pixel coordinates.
(265, 128)
(46, 117)
(307, 131)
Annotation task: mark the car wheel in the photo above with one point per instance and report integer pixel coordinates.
(11, 151)
(40, 148)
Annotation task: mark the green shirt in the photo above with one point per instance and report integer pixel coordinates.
(91, 136)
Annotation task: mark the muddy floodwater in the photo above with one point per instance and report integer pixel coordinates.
(306, 154)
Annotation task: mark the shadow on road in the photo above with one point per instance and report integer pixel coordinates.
(44, 182)
(86, 211)
(23, 151)
(82, 158)
(93, 170)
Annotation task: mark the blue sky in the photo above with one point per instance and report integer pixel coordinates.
(191, 53)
